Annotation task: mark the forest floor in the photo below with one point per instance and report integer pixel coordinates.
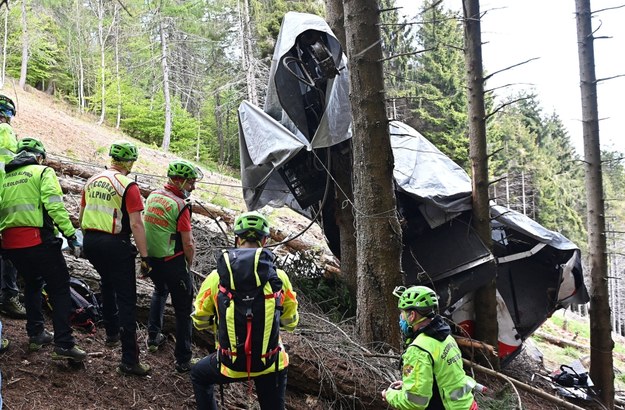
(33, 381)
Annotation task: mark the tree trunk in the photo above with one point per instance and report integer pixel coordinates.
(486, 328)
(601, 343)
(4, 47)
(101, 40)
(118, 79)
(219, 127)
(165, 65)
(341, 168)
(248, 53)
(24, 68)
(378, 240)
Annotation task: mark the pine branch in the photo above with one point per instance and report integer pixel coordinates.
(502, 106)
(405, 54)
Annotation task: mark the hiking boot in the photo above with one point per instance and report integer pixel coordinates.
(75, 354)
(44, 338)
(158, 341)
(112, 341)
(4, 345)
(13, 307)
(137, 369)
(186, 367)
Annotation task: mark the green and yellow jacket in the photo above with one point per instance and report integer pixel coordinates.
(432, 373)
(33, 198)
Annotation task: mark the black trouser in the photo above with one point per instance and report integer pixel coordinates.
(41, 264)
(172, 277)
(8, 278)
(113, 256)
(270, 387)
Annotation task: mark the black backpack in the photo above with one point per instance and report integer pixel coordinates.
(86, 309)
(248, 302)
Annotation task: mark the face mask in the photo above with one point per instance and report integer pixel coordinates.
(404, 326)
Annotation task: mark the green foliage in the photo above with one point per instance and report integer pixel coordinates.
(506, 399)
(331, 296)
(537, 170)
(268, 17)
(440, 103)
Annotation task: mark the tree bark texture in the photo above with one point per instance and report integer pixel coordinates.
(341, 167)
(165, 66)
(378, 233)
(25, 40)
(601, 343)
(486, 328)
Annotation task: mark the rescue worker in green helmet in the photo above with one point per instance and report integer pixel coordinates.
(110, 212)
(9, 291)
(167, 220)
(31, 210)
(219, 309)
(432, 372)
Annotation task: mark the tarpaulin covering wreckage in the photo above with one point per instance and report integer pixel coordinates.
(283, 162)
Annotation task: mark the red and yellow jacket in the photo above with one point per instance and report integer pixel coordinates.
(205, 317)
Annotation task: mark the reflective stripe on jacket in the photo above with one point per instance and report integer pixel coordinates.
(8, 146)
(205, 316)
(162, 210)
(104, 194)
(30, 193)
(425, 360)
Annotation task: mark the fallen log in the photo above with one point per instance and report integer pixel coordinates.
(569, 343)
(223, 217)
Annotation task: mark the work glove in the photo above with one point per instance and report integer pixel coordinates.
(146, 269)
(74, 246)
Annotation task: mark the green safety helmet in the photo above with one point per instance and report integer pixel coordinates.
(420, 298)
(7, 107)
(251, 225)
(31, 145)
(123, 151)
(183, 169)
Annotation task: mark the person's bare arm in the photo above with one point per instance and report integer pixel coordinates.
(188, 247)
(138, 232)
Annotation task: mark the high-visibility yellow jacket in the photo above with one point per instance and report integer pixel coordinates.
(205, 317)
(8, 146)
(162, 210)
(104, 194)
(431, 363)
(33, 197)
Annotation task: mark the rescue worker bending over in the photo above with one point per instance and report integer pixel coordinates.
(110, 211)
(432, 372)
(171, 249)
(31, 209)
(215, 301)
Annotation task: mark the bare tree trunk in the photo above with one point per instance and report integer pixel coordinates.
(81, 70)
(100, 14)
(118, 79)
(165, 65)
(25, 40)
(219, 127)
(248, 53)
(378, 241)
(4, 47)
(601, 343)
(341, 168)
(486, 329)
